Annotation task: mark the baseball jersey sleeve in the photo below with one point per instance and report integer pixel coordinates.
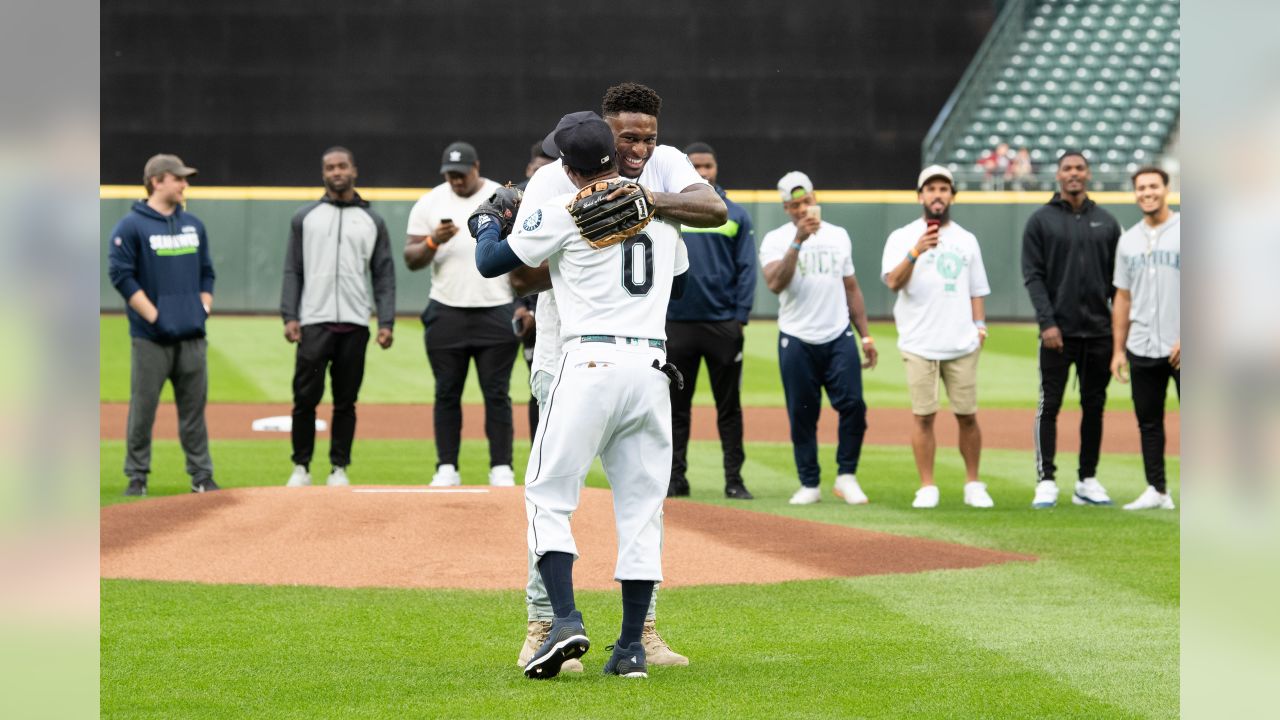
(978, 285)
(542, 234)
(1120, 277)
(677, 172)
(421, 216)
(682, 257)
(547, 182)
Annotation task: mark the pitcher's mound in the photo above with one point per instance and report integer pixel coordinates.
(474, 538)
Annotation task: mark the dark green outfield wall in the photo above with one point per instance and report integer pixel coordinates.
(248, 242)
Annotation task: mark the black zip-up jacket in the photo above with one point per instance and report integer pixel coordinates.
(1068, 259)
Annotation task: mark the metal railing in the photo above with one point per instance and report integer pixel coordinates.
(1008, 27)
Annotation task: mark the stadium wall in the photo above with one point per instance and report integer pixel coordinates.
(251, 91)
(248, 229)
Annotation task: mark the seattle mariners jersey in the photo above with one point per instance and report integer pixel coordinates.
(669, 170)
(619, 290)
(813, 307)
(933, 311)
(1149, 266)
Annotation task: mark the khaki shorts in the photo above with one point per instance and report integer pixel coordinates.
(959, 375)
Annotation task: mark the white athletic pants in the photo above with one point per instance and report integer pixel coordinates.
(608, 401)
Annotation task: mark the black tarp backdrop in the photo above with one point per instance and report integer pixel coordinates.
(251, 91)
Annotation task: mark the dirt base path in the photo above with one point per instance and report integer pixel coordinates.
(474, 538)
(1007, 429)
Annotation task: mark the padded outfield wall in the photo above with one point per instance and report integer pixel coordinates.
(248, 229)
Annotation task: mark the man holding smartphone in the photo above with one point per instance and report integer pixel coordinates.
(935, 267)
(809, 264)
(467, 318)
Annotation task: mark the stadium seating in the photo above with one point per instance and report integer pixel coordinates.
(1100, 76)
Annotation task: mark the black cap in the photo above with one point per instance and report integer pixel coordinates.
(458, 157)
(549, 145)
(584, 141)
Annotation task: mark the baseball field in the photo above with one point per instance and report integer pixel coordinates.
(1084, 625)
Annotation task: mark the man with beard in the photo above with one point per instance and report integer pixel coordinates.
(935, 267)
(1068, 257)
(325, 305)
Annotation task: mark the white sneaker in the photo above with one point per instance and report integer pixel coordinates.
(299, 478)
(975, 495)
(1090, 492)
(502, 476)
(806, 496)
(1151, 499)
(337, 478)
(446, 476)
(1046, 495)
(847, 487)
(926, 497)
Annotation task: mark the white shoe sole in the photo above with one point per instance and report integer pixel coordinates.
(550, 664)
(1079, 500)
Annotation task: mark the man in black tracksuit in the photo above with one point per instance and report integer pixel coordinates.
(706, 322)
(1068, 258)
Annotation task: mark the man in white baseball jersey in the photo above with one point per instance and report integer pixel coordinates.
(680, 195)
(610, 398)
(809, 263)
(935, 267)
(468, 318)
(1147, 318)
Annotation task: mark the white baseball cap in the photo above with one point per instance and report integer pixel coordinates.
(793, 181)
(932, 172)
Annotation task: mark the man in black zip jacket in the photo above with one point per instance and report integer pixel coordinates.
(160, 264)
(325, 305)
(1068, 258)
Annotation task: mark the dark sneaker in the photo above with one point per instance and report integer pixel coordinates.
(679, 487)
(738, 491)
(137, 488)
(567, 640)
(204, 486)
(627, 662)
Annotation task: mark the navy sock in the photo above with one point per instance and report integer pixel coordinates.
(636, 595)
(556, 569)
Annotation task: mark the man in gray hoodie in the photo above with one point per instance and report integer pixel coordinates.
(325, 305)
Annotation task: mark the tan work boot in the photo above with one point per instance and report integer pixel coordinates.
(538, 631)
(656, 650)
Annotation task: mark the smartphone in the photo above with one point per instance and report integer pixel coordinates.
(815, 212)
(932, 223)
(516, 328)
(446, 220)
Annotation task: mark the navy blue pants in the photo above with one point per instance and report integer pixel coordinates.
(808, 369)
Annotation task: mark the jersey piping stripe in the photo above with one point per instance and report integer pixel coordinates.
(542, 429)
(762, 197)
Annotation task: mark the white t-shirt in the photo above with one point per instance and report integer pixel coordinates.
(814, 307)
(455, 281)
(669, 170)
(620, 290)
(933, 312)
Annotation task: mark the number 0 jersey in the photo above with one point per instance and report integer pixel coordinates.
(620, 290)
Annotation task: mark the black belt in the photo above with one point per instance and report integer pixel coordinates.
(623, 341)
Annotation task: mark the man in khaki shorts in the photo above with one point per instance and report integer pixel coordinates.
(935, 267)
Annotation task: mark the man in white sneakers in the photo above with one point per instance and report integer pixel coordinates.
(809, 264)
(935, 267)
(333, 243)
(467, 318)
(1147, 322)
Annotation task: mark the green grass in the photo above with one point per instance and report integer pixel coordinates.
(1089, 630)
(249, 362)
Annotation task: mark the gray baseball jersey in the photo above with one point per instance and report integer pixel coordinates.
(1149, 266)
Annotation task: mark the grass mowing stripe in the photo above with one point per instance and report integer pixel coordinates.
(249, 361)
